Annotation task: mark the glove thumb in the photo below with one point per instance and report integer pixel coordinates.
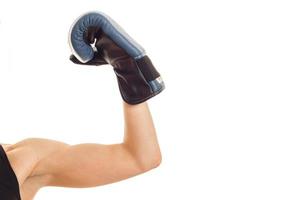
(96, 61)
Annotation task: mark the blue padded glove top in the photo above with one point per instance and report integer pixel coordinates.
(84, 52)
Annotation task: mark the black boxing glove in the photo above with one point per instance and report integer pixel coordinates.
(95, 39)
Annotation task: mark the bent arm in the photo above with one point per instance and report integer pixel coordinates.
(88, 165)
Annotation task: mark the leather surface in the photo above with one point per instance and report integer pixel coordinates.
(97, 40)
(84, 52)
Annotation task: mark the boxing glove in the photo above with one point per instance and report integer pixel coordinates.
(95, 39)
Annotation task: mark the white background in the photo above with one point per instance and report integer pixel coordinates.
(228, 121)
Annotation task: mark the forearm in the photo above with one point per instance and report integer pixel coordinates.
(140, 135)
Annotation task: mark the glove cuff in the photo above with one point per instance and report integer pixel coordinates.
(138, 80)
(150, 74)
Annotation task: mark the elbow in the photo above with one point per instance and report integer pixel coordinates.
(144, 160)
(151, 162)
(156, 162)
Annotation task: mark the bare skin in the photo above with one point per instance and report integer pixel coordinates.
(39, 162)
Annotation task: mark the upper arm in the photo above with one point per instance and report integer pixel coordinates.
(87, 165)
